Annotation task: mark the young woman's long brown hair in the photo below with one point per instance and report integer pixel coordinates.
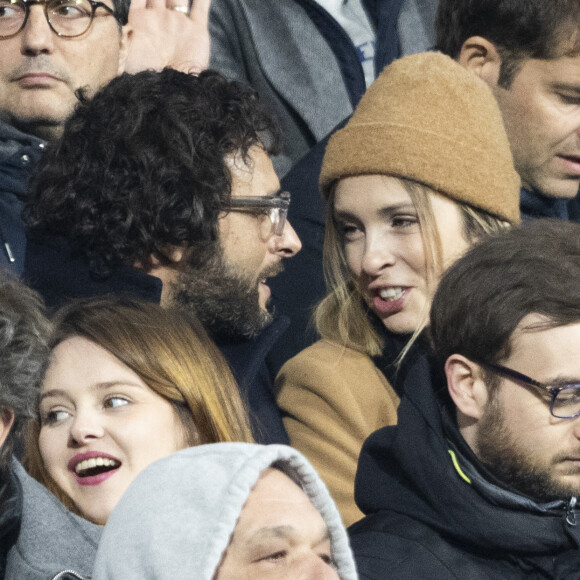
(173, 355)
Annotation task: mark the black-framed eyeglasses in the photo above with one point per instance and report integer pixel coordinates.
(66, 18)
(273, 206)
(565, 399)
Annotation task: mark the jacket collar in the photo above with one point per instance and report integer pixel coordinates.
(12, 139)
(58, 274)
(421, 481)
(534, 204)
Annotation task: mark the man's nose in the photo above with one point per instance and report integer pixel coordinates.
(288, 244)
(37, 37)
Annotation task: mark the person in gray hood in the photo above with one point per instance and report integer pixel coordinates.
(226, 510)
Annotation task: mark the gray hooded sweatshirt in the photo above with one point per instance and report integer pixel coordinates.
(52, 539)
(176, 519)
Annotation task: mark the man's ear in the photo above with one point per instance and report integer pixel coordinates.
(6, 422)
(481, 56)
(466, 386)
(124, 45)
(165, 266)
(173, 255)
(166, 260)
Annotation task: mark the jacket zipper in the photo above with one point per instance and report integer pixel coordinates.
(71, 573)
(7, 247)
(570, 513)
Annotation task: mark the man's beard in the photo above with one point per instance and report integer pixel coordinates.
(224, 299)
(499, 450)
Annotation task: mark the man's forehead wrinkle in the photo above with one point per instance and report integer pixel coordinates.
(281, 532)
(267, 532)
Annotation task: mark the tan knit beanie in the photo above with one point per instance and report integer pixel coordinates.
(428, 119)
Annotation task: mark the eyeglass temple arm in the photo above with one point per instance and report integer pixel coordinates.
(275, 202)
(512, 374)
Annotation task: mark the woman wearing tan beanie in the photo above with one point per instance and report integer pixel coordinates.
(422, 170)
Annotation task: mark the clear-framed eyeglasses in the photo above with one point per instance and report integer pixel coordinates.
(66, 18)
(274, 207)
(564, 399)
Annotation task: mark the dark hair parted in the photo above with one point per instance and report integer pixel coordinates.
(24, 353)
(519, 29)
(143, 165)
(483, 296)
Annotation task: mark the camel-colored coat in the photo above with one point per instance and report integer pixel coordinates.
(332, 399)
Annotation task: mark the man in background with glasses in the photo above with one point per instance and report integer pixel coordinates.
(162, 186)
(48, 51)
(52, 49)
(481, 477)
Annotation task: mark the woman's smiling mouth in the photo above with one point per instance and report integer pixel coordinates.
(93, 468)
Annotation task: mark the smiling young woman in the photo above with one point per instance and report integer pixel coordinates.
(128, 383)
(421, 172)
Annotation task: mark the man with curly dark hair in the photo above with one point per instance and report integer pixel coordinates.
(52, 49)
(162, 186)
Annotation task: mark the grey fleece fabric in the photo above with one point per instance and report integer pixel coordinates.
(51, 539)
(176, 519)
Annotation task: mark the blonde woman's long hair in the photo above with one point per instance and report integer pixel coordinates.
(343, 316)
(171, 353)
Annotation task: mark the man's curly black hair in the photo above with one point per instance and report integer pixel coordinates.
(142, 165)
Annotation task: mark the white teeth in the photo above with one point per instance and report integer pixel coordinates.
(391, 293)
(95, 462)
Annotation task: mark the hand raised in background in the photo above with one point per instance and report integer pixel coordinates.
(164, 34)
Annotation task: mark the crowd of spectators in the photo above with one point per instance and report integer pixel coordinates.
(289, 289)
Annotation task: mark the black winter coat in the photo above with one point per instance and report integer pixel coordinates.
(434, 512)
(19, 156)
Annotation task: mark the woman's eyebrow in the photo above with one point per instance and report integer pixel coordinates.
(97, 386)
(387, 210)
(54, 393)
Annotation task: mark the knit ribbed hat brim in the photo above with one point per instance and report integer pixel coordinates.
(428, 119)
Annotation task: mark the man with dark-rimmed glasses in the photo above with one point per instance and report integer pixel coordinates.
(50, 50)
(481, 477)
(163, 187)
(67, 19)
